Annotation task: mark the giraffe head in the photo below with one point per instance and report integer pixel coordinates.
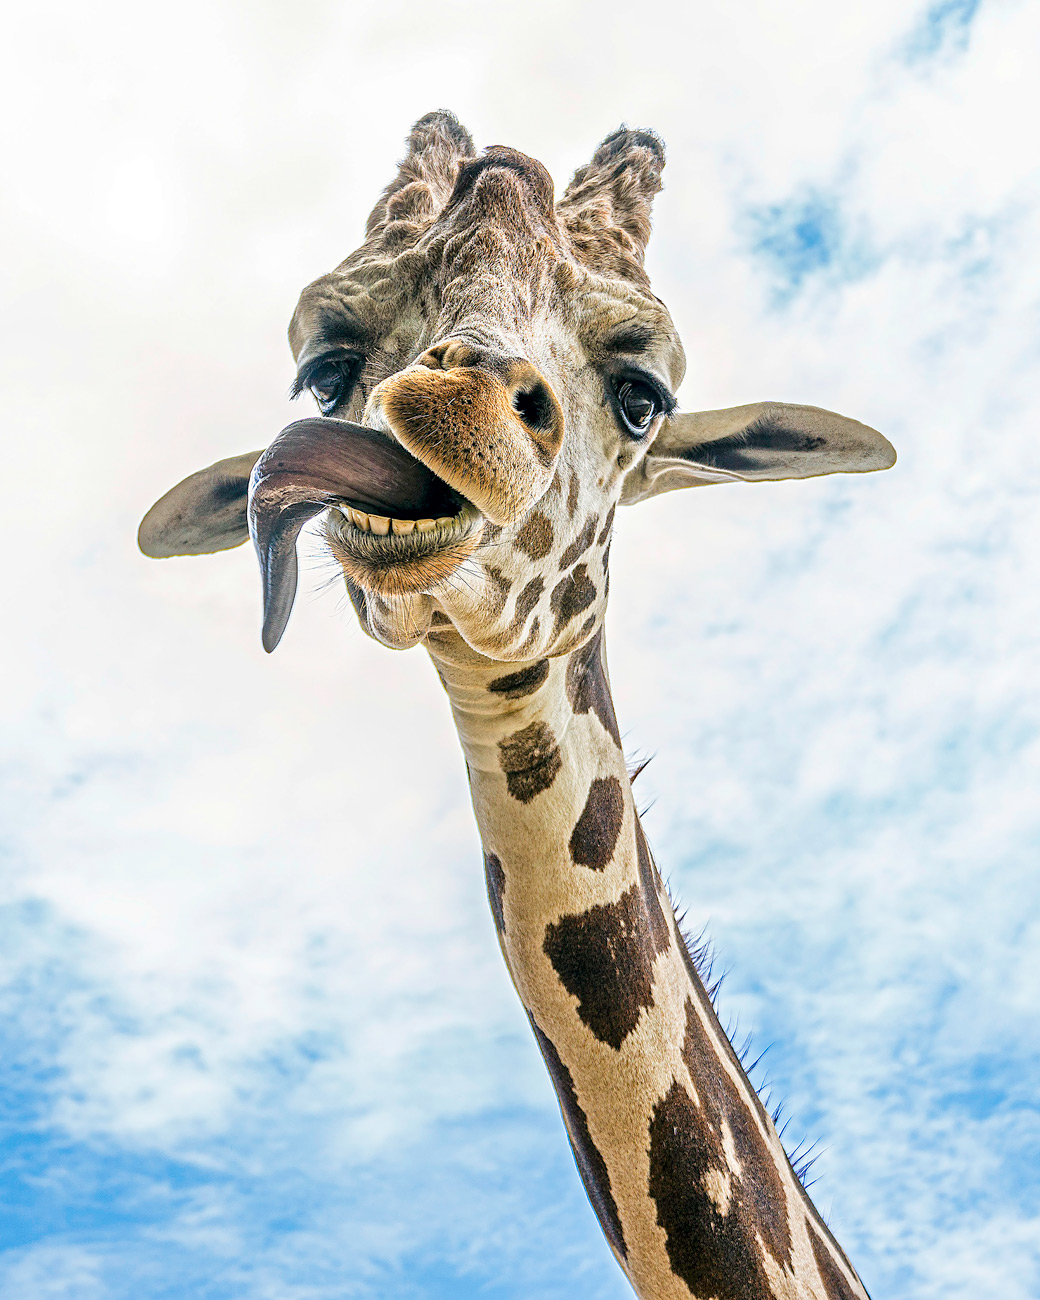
(495, 376)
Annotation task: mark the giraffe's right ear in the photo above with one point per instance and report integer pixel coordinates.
(762, 442)
(204, 513)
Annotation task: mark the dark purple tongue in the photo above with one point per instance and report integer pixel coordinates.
(320, 462)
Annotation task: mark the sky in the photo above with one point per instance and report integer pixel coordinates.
(256, 1038)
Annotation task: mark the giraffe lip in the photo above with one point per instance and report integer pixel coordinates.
(320, 462)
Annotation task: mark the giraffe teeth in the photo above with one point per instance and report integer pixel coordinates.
(384, 525)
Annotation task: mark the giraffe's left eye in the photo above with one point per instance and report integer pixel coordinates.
(637, 404)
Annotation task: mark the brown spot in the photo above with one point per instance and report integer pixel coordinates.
(536, 536)
(491, 532)
(496, 885)
(603, 958)
(587, 1156)
(515, 685)
(587, 687)
(555, 485)
(833, 1279)
(572, 493)
(531, 639)
(587, 627)
(497, 596)
(571, 595)
(608, 525)
(581, 543)
(525, 602)
(650, 879)
(596, 831)
(715, 1254)
(530, 760)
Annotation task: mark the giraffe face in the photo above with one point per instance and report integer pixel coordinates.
(494, 376)
(527, 370)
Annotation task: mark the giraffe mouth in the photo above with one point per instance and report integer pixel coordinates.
(393, 524)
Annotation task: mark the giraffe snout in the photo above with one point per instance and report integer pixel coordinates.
(489, 425)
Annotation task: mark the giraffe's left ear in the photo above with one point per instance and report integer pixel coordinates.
(763, 441)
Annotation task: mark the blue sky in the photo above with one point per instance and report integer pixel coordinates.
(256, 1039)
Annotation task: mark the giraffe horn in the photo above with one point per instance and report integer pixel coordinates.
(317, 463)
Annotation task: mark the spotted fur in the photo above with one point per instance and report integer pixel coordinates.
(486, 310)
(482, 325)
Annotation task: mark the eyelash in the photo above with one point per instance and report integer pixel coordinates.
(346, 366)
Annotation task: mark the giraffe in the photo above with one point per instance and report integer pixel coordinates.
(494, 377)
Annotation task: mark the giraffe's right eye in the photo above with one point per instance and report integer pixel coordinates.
(331, 381)
(328, 384)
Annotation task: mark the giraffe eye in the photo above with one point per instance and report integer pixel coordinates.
(328, 384)
(329, 379)
(638, 404)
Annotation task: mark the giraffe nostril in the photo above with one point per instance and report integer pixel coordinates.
(535, 406)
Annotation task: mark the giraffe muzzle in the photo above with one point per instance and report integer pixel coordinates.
(322, 462)
(490, 426)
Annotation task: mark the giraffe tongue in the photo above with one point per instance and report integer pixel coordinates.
(320, 462)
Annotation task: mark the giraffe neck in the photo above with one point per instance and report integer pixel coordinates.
(681, 1162)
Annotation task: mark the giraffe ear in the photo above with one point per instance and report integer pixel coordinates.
(763, 441)
(205, 512)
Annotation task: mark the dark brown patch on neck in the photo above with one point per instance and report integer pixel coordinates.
(530, 760)
(833, 1278)
(591, 1165)
(586, 685)
(496, 885)
(715, 1254)
(596, 831)
(650, 879)
(513, 686)
(604, 958)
